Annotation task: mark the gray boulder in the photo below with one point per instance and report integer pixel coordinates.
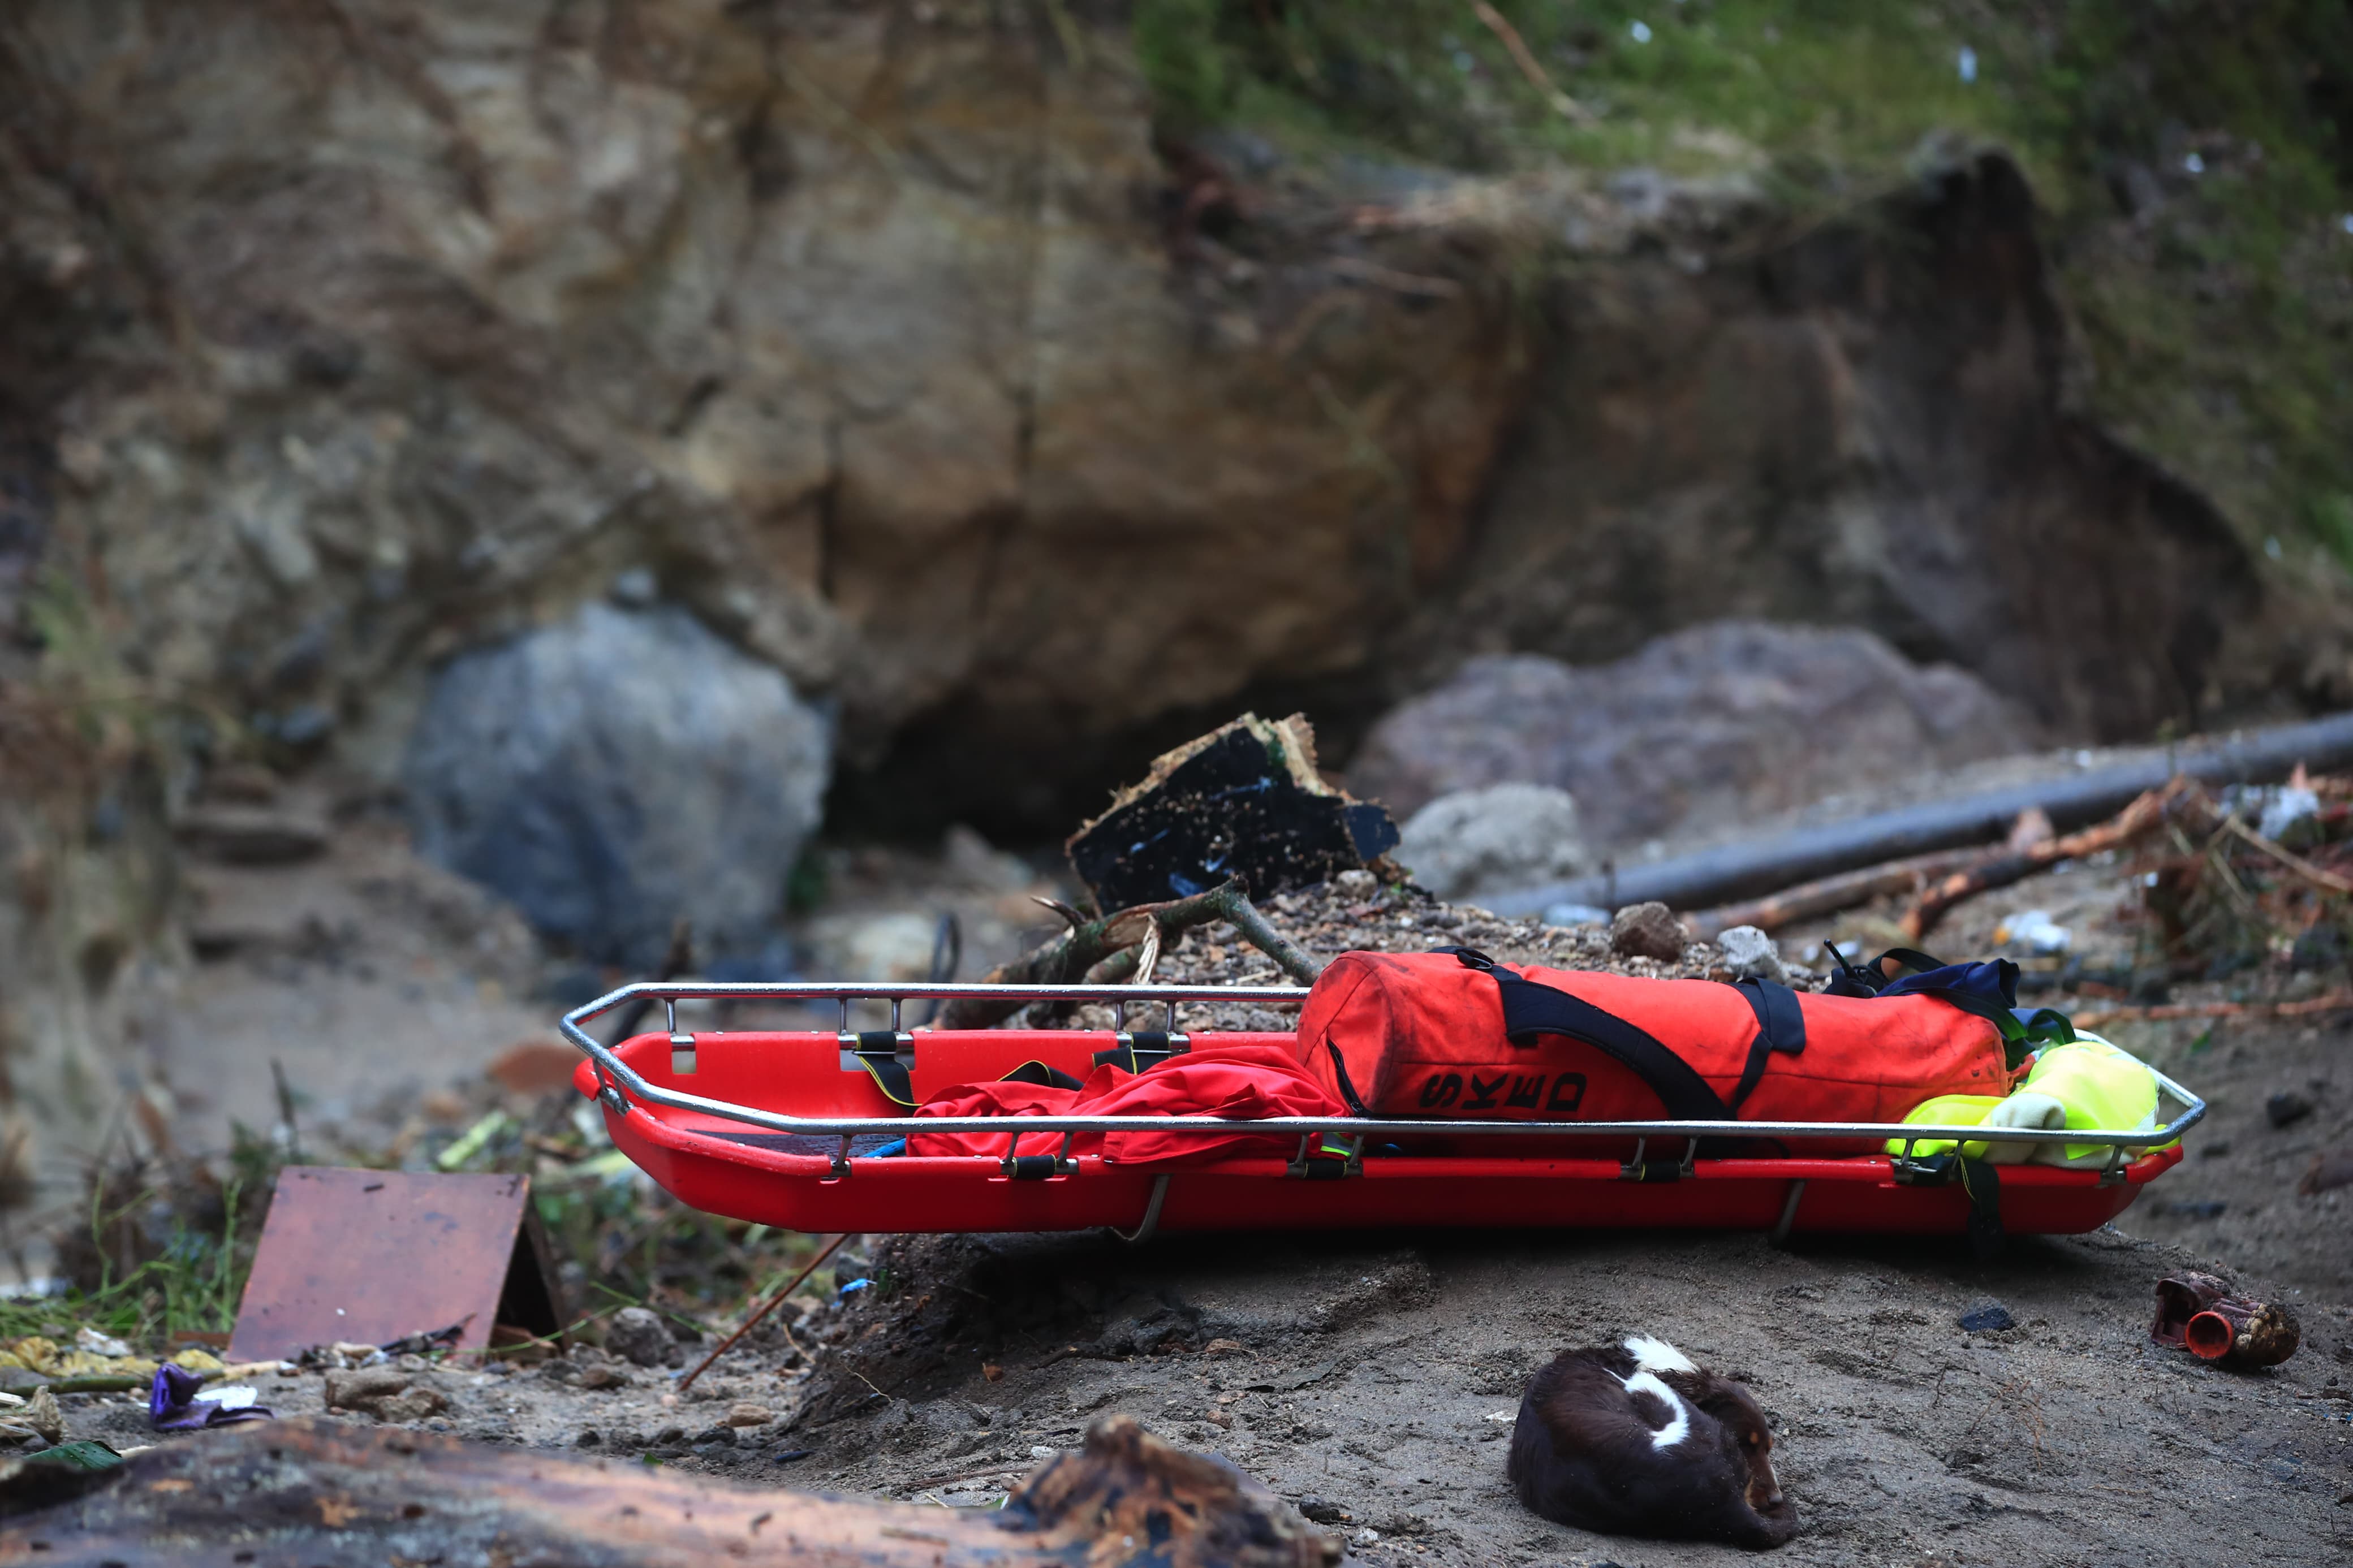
(614, 772)
(1503, 837)
(1726, 721)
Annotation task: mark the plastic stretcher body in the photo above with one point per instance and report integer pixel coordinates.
(834, 1183)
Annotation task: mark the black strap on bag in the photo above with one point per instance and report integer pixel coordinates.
(1780, 1026)
(1532, 1011)
(1042, 1074)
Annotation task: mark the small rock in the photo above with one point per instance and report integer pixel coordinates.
(669, 1436)
(603, 1377)
(743, 1413)
(2288, 1106)
(2331, 1169)
(364, 1388)
(412, 1405)
(722, 1435)
(638, 1336)
(1322, 1511)
(1751, 954)
(2216, 1150)
(992, 1371)
(1039, 1452)
(1990, 1318)
(1648, 931)
(1361, 884)
(1365, 1537)
(1223, 1347)
(589, 1438)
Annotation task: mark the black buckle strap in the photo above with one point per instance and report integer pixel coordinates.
(1980, 1179)
(1780, 1026)
(1141, 1050)
(877, 1050)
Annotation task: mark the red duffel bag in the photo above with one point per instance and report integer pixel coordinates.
(1451, 1034)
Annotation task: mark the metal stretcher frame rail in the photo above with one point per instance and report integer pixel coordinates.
(622, 1085)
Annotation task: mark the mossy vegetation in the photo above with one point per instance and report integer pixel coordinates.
(2194, 158)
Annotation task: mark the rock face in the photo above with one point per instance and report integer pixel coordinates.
(1732, 720)
(1505, 836)
(343, 337)
(613, 773)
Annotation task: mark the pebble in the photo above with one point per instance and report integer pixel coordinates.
(637, 1335)
(2288, 1106)
(1648, 931)
(1988, 1318)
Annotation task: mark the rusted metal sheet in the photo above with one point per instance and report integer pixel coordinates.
(370, 1257)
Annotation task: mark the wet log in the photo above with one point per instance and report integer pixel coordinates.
(1828, 895)
(1753, 869)
(322, 1494)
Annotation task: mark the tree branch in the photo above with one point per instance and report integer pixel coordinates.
(1102, 951)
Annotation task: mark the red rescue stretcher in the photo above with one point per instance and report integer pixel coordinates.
(781, 1128)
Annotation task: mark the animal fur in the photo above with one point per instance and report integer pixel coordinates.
(1633, 1440)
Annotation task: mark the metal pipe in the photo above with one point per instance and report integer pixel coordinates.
(1709, 876)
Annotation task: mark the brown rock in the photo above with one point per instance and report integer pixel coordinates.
(2330, 1169)
(603, 1376)
(534, 1066)
(364, 1388)
(744, 1413)
(1648, 931)
(412, 1405)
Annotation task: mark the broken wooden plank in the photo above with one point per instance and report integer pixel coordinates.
(322, 1494)
(1243, 801)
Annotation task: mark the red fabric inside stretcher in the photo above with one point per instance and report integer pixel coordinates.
(1249, 1082)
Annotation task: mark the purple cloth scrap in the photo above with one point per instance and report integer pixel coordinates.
(173, 1404)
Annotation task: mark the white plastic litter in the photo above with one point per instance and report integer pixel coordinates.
(1966, 62)
(97, 1343)
(2035, 931)
(229, 1396)
(2284, 808)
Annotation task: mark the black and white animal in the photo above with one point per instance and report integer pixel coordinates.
(1633, 1440)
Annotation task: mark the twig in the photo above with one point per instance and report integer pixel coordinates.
(2327, 880)
(2004, 867)
(1099, 951)
(929, 1481)
(1828, 895)
(753, 1322)
(2329, 1002)
(1524, 57)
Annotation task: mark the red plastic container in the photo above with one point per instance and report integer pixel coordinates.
(729, 1168)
